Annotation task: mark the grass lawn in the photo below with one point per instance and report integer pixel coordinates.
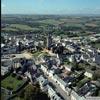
(3, 96)
(35, 54)
(11, 82)
(82, 82)
(40, 53)
(18, 98)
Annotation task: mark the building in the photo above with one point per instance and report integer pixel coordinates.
(42, 81)
(60, 82)
(52, 94)
(75, 96)
(49, 40)
(4, 70)
(89, 73)
(87, 89)
(68, 67)
(44, 68)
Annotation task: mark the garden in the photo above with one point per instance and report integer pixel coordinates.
(12, 82)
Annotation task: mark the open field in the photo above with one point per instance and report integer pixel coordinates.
(17, 27)
(9, 29)
(73, 24)
(22, 27)
(35, 23)
(50, 21)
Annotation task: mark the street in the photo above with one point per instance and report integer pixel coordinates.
(58, 88)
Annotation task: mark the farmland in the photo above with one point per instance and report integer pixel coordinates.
(36, 23)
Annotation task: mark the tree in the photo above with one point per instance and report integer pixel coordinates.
(93, 68)
(2, 39)
(33, 93)
(96, 74)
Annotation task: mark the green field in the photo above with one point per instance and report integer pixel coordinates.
(50, 21)
(73, 25)
(11, 82)
(9, 29)
(21, 27)
(17, 27)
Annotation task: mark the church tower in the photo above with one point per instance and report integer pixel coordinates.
(49, 40)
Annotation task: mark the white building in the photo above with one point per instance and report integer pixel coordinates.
(70, 48)
(4, 70)
(42, 81)
(75, 96)
(60, 82)
(52, 94)
(44, 68)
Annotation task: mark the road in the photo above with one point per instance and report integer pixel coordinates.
(58, 88)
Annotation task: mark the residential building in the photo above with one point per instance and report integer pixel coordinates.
(42, 81)
(52, 94)
(75, 96)
(89, 73)
(60, 82)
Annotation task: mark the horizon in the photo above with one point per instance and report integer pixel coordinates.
(73, 15)
(49, 7)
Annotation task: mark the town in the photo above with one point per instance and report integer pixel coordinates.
(66, 68)
(50, 49)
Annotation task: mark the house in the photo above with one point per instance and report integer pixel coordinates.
(4, 70)
(16, 63)
(42, 81)
(44, 68)
(68, 67)
(68, 90)
(89, 73)
(6, 65)
(6, 62)
(28, 75)
(51, 73)
(59, 81)
(56, 69)
(70, 48)
(85, 57)
(72, 58)
(52, 94)
(7, 50)
(97, 59)
(88, 89)
(75, 96)
(92, 98)
(69, 80)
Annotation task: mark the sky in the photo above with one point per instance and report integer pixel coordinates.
(50, 6)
